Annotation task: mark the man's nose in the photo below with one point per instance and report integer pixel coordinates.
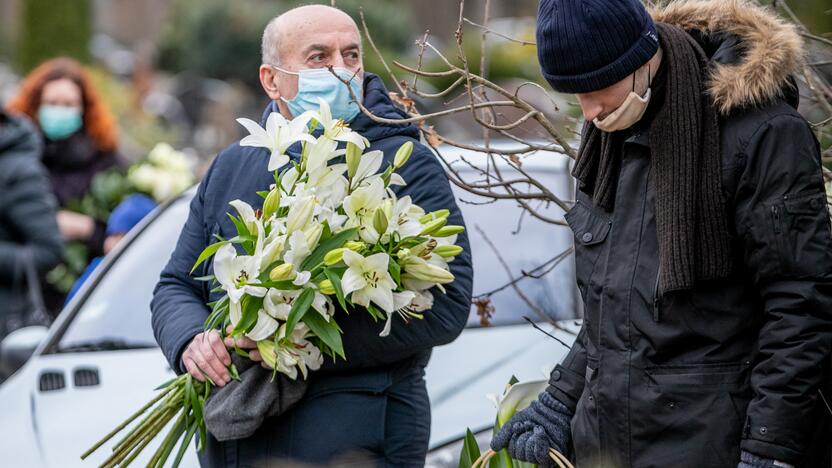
(590, 108)
(337, 61)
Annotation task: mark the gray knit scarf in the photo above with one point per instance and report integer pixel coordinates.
(691, 222)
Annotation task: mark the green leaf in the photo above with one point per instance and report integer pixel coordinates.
(395, 271)
(328, 332)
(334, 242)
(250, 305)
(242, 230)
(470, 450)
(375, 313)
(210, 250)
(186, 441)
(335, 278)
(263, 194)
(299, 308)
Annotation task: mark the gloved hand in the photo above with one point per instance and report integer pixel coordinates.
(749, 460)
(529, 434)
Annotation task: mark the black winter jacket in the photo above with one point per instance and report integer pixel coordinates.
(690, 378)
(28, 229)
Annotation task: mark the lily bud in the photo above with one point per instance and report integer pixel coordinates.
(334, 256)
(282, 272)
(300, 214)
(353, 158)
(271, 203)
(355, 246)
(380, 221)
(313, 235)
(403, 154)
(433, 226)
(434, 215)
(448, 251)
(420, 269)
(266, 348)
(449, 231)
(326, 287)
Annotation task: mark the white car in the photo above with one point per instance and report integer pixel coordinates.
(99, 362)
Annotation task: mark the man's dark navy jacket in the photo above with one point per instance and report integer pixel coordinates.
(373, 363)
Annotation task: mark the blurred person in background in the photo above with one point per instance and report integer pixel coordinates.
(79, 140)
(30, 242)
(124, 217)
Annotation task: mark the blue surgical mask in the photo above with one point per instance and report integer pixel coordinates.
(59, 122)
(314, 83)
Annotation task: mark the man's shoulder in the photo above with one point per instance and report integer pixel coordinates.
(744, 126)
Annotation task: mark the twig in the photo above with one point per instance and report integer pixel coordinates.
(491, 31)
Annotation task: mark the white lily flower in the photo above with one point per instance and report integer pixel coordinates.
(237, 274)
(322, 152)
(302, 278)
(368, 279)
(278, 136)
(369, 165)
(401, 301)
(264, 328)
(246, 214)
(298, 249)
(301, 355)
(278, 303)
(360, 207)
(337, 129)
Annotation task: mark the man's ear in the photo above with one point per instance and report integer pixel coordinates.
(267, 80)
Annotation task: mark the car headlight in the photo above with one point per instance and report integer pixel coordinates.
(447, 456)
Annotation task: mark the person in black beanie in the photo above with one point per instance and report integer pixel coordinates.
(703, 245)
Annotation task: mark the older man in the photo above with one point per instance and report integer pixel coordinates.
(372, 408)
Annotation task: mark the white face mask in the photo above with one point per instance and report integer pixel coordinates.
(628, 113)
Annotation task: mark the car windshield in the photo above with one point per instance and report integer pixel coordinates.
(116, 314)
(118, 309)
(528, 246)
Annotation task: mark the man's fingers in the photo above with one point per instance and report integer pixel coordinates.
(255, 356)
(241, 342)
(218, 348)
(208, 363)
(193, 369)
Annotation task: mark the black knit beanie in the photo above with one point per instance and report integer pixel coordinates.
(587, 45)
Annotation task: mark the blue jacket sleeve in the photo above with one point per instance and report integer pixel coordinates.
(428, 186)
(178, 308)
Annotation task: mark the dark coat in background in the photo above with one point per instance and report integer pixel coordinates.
(690, 378)
(372, 407)
(29, 236)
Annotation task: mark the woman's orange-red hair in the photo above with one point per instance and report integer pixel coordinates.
(99, 122)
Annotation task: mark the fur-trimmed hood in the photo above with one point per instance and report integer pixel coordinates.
(771, 50)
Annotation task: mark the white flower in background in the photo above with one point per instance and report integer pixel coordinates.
(164, 174)
(165, 156)
(237, 274)
(278, 136)
(337, 129)
(369, 280)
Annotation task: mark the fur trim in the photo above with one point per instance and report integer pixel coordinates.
(774, 48)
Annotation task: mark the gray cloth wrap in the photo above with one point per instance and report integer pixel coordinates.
(236, 410)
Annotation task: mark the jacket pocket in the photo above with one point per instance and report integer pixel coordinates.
(591, 229)
(803, 234)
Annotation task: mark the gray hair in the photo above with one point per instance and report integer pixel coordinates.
(270, 48)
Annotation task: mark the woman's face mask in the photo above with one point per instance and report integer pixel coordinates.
(629, 112)
(59, 122)
(314, 83)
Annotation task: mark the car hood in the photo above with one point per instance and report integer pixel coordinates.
(53, 425)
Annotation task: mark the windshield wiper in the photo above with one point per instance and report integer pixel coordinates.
(104, 345)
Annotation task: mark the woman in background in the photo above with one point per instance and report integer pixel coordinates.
(79, 141)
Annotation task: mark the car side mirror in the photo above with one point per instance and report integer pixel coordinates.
(18, 347)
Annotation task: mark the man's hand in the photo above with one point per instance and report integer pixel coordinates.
(246, 344)
(206, 356)
(75, 226)
(529, 434)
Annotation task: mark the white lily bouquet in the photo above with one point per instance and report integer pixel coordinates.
(331, 236)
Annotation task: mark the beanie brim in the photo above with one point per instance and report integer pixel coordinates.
(641, 51)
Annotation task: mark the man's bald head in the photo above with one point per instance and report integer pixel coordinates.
(303, 21)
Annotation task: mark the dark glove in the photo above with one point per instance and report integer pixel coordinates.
(237, 409)
(749, 460)
(529, 434)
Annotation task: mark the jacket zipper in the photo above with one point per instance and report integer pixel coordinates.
(775, 214)
(656, 295)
